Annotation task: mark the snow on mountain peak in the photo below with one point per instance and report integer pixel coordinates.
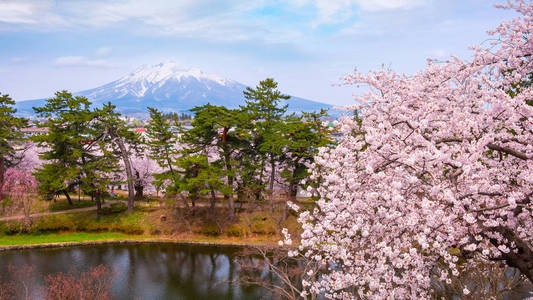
(162, 72)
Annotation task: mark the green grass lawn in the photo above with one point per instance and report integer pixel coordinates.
(29, 239)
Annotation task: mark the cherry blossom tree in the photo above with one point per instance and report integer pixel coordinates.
(21, 188)
(30, 158)
(436, 168)
(144, 168)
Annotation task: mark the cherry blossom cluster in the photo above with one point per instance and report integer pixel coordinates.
(438, 166)
(20, 185)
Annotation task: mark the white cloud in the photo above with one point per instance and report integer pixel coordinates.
(18, 59)
(376, 5)
(28, 12)
(103, 51)
(13, 12)
(335, 11)
(79, 61)
(218, 20)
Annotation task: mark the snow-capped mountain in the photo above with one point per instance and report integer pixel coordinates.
(168, 87)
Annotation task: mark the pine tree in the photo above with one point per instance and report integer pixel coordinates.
(263, 105)
(118, 136)
(10, 135)
(215, 132)
(162, 140)
(77, 154)
(67, 119)
(304, 134)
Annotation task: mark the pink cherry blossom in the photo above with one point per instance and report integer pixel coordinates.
(441, 160)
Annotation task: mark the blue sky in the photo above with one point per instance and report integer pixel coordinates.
(306, 45)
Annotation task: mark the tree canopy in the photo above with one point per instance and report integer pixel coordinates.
(437, 171)
(10, 135)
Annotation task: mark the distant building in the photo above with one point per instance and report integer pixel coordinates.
(29, 131)
(140, 131)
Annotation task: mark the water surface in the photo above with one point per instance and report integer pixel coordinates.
(146, 271)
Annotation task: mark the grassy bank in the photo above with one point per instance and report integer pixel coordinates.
(258, 227)
(76, 238)
(70, 237)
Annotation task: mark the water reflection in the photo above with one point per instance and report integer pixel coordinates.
(147, 271)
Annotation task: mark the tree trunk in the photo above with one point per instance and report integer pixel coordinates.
(139, 192)
(185, 203)
(194, 196)
(129, 173)
(230, 183)
(213, 202)
(523, 259)
(194, 192)
(27, 200)
(272, 176)
(68, 197)
(293, 190)
(139, 188)
(98, 205)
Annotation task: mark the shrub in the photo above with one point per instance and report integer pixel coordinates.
(155, 231)
(210, 229)
(114, 208)
(52, 223)
(82, 224)
(235, 230)
(11, 227)
(128, 228)
(93, 284)
(3, 229)
(266, 227)
(263, 223)
(19, 282)
(96, 226)
(292, 225)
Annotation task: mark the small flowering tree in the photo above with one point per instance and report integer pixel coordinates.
(93, 284)
(437, 169)
(19, 284)
(21, 188)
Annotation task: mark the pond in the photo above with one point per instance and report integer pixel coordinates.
(146, 271)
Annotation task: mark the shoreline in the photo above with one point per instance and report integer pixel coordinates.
(133, 241)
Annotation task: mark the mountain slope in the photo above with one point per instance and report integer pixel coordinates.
(168, 87)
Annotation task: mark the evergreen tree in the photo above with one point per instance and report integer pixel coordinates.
(200, 177)
(115, 134)
(67, 119)
(215, 133)
(263, 105)
(10, 135)
(304, 135)
(77, 154)
(162, 140)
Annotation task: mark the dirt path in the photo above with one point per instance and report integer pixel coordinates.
(74, 210)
